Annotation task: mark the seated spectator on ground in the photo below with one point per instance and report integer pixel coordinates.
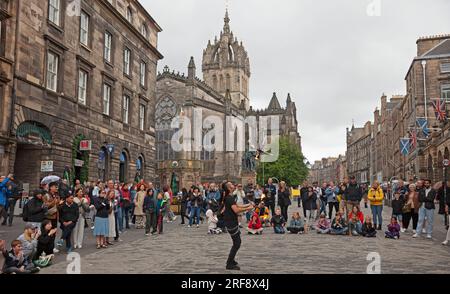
(356, 211)
(393, 231)
(212, 222)
(278, 222)
(263, 213)
(338, 226)
(254, 225)
(297, 225)
(46, 243)
(368, 228)
(29, 240)
(15, 262)
(354, 224)
(323, 225)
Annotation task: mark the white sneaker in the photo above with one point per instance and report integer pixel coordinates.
(414, 231)
(174, 218)
(402, 230)
(55, 250)
(198, 226)
(75, 246)
(79, 246)
(428, 236)
(189, 226)
(415, 235)
(424, 231)
(147, 234)
(445, 243)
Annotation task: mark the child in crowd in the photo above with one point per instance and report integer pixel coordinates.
(278, 222)
(368, 229)
(393, 231)
(15, 261)
(323, 225)
(297, 225)
(254, 225)
(161, 210)
(338, 226)
(263, 213)
(354, 224)
(212, 222)
(397, 205)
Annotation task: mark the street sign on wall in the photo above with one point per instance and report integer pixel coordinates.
(446, 162)
(46, 166)
(85, 145)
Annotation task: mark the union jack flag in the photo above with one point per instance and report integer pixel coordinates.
(440, 109)
(413, 138)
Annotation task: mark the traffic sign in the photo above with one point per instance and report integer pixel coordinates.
(446, 162)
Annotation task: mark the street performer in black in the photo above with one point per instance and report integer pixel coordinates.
(230, 215)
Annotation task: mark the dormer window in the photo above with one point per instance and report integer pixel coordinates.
(129, 15)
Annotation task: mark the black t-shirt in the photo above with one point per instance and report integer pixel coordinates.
(230, 218)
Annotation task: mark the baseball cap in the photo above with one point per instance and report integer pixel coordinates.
(30, 226)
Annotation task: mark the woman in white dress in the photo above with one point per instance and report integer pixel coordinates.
(83, 205)
(111, 218)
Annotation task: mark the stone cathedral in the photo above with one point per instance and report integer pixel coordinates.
(223, 91)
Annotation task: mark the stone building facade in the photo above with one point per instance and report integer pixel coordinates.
(81, 74)
(328, 169)
(359, 152)
(223, 92)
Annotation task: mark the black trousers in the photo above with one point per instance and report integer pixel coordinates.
(183, 213)
(11, 207)
(150, 221)
(330, 208)
(271, 207)
(67, 234)
(236, 237)
(406, 218)
(284, 211)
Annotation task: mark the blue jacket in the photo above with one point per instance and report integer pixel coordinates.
(332, 194)
(213, 195)
(3, 192)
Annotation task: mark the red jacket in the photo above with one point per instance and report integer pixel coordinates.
(126, 194)
(255, 225)
(360, 216)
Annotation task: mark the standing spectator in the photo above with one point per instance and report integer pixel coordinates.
(68, 217)
(353, 194)
(35, 209)
(427, 196)
(3, 197)
(111, 217)
(376, 197)
(304, 190)
(323, 199)
(101, 225)
(257, 194)
(397, 206)
(401, 189)
(310, 205)
(196, 204)
(168, 199)
(332, 201)
(446, 203)
(14, 195)
(150, 212)
(125, 205)
(139, 205)
(284, 199)
(270, 195)
(51, 200)
(249, 190)
(410, 209)
(365, 192)
(184, 202)
(240, 200)
(83, 207)
(161, 206)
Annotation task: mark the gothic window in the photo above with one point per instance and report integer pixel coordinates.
(214, 78)
(230, 53)
(228, 85)
(205, 154)
(166, 110)
(221, 84)
(216, 55)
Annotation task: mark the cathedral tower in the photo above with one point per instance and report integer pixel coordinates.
(226, 66)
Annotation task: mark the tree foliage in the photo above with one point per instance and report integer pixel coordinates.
(289, 167)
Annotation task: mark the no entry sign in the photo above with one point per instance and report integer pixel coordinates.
(446, 162)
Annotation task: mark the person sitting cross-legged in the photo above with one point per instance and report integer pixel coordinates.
(368, 228)
(15, 262)
(297, 225)
(278, 222)
(338, 226)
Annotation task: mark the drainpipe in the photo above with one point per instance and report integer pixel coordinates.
(424, 63)
(13, 96)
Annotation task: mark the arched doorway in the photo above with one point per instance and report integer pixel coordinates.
(139, 168)
(80, 161)
(34, 142)
(123, 166)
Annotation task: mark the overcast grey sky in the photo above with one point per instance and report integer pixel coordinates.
(334, 59)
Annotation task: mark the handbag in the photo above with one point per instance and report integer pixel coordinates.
(406, 208)
(52, 211)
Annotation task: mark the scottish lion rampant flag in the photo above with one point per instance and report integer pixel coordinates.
(422, 123)
(404, 146)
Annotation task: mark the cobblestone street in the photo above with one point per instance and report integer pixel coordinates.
(190, 250)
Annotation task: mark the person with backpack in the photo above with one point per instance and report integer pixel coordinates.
(3, 196)
(34, 211)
